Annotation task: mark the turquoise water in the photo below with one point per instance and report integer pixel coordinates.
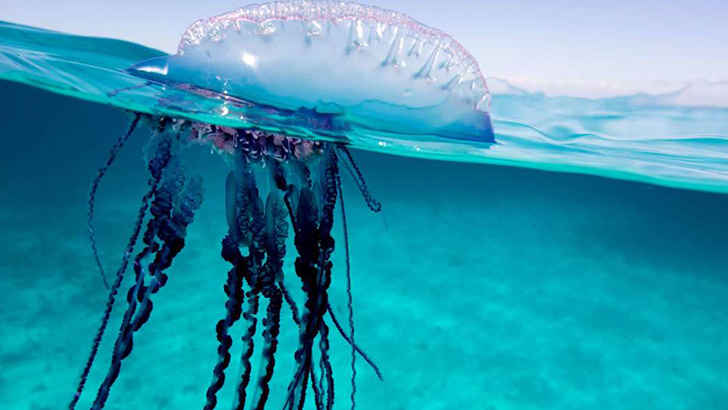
(479, 286)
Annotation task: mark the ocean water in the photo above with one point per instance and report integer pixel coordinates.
(481, 285)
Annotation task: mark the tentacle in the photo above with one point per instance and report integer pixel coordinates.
(326, 370)
(290, 191)
(315, 385)
(349, 303)
(271, 330)
(356, 174)
(291, 303)
(233, 306)
(250, 317)
(356, 347)
(328, 186)
(95, 186)
(122, 346)
(297, 387)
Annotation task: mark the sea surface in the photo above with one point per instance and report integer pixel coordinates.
(580, 263)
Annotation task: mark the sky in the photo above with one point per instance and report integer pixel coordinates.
(588, 47)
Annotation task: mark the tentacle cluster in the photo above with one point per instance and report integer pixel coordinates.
(255, 245)
(313, 240)
(173, 203)
(172, 210)
(275, 180)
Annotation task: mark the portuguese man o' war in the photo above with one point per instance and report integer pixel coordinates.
(315, 69)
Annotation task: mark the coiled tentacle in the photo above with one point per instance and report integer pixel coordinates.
(251, 319)
(233, 289)
(349, 302)
(291, 303)
(355, 172)
(271, 324)
(317, 394)
(236, 210)
(326, 371)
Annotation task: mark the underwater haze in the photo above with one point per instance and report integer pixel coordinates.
(491, 280)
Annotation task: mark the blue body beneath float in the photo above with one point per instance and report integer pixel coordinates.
(393, 81)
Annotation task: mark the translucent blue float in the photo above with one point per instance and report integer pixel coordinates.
(345, 64)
